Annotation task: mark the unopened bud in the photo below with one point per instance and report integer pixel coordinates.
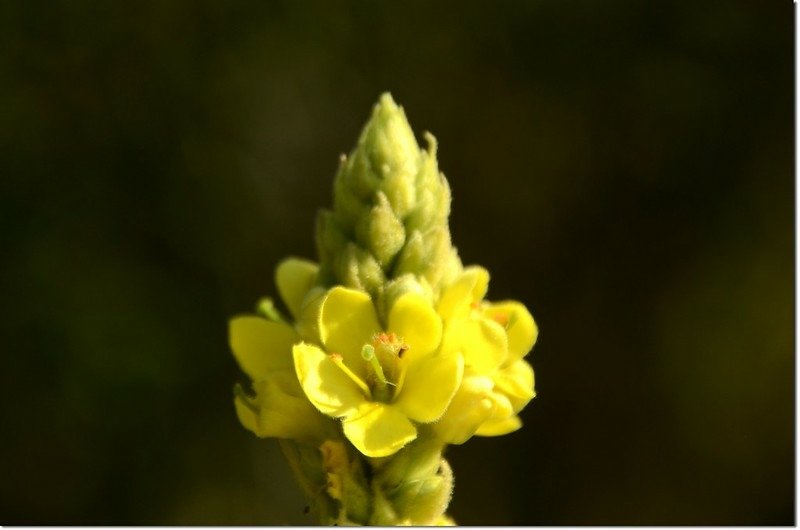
(381, 232)
(423, 502)
(357, 268)
(266, 308)
(390, 210)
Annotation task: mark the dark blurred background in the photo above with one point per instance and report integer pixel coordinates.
(623, 168)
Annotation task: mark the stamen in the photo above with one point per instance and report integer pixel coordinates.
(380, 339)
(338, 361)
(403, 366)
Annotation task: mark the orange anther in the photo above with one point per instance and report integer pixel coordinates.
(501, 318)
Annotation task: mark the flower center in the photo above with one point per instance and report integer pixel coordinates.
(386, 368)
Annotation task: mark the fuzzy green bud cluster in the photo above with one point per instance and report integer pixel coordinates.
(388, 228)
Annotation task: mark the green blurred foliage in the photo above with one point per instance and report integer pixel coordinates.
(624, 168)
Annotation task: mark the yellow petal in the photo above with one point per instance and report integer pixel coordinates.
(307, 324)
(347, 322)
(499, 427)
(429, 386)
(468, 288)
(503, 408)
(482, 341)
(247, 412)
(520, 326)
(516, 382)
(470, 407)
(261, 346)
(379, 430)
(294, 278)
(324, 383)
(280, 410)
(414, 320)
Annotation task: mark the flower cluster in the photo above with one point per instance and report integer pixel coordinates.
(387, 351)
(457, 365)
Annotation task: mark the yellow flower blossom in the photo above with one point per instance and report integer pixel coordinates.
(263, 350)
(379, 381)
(494, 338)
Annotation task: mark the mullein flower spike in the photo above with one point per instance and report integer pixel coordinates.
(387, 350)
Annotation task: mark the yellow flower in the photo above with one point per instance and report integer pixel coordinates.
(263, 349)
(494, 338)
(378, 381)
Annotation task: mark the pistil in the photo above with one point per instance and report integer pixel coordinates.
(381, 384)
(368, 354)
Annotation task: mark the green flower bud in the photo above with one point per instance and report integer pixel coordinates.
(383, 512)
(381, 232)
(417, 482)
(424, 501)
(390, 210)
(429, 255)
(417, 461)
(387, 152)
(349, 204)
(357, 268)
(433, 192)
